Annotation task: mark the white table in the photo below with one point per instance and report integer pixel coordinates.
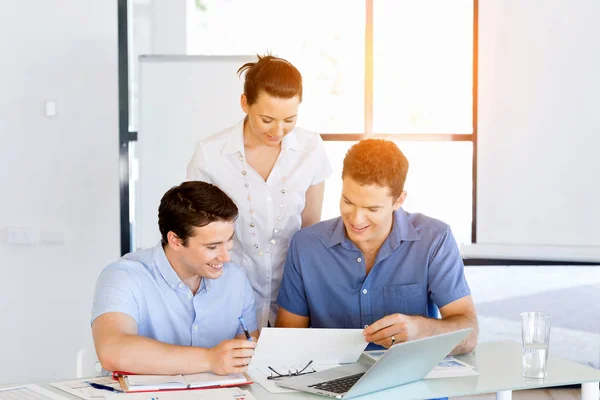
(500, 366)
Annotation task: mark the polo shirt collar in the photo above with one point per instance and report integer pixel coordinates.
(402, 230)
(167, 271)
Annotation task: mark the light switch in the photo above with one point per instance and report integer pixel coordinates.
(22, 235)
(50, 108)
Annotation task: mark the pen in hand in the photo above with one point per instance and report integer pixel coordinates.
(245, 328)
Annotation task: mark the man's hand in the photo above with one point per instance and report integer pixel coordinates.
(231, 356)
(392, 329)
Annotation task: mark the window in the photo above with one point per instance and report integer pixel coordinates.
(328, 50)
(435, 184)
(398, 69)
(422, 75)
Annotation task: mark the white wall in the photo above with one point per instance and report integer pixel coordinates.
(169, 26)
(58, 176)
(539, 133)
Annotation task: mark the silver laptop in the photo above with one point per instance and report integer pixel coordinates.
(402, 363)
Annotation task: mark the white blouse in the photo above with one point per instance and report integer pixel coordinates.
(270, 212)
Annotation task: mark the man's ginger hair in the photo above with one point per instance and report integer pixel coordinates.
(377, 162)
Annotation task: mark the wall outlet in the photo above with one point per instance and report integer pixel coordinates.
(22, 235)
(50, 108)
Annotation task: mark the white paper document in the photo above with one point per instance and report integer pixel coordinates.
(83, 390)
(285, 346)
(288, 350)
(449, 367)
(28, 392)
(193, 394)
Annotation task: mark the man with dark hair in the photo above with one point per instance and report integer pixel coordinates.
(174, 308)
(377, 267)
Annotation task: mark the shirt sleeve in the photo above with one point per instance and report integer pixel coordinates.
(249, 310)
(196, 169)
(322, 166)
(116, 291)
(446, 279)
(292, 296)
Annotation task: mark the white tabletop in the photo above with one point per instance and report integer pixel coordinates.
(500, 365)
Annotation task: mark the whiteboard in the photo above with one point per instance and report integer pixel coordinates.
(182, 99)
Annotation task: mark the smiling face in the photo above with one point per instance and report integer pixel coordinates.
(269, 118)
(367, 212)
(204, 253)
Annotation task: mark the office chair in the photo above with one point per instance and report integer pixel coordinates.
(87, 363)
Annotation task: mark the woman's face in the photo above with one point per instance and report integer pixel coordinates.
(270, 118)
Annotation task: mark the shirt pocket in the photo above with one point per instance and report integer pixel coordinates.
(404, 299)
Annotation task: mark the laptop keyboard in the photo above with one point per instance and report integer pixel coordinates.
(340, 385)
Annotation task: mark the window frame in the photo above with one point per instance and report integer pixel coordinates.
(415, 137)
(126, 135)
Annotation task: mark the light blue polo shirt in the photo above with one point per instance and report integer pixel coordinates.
(144, 286)
(417, 268)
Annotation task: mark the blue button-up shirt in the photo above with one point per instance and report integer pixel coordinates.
(417, 268)
(144, 286)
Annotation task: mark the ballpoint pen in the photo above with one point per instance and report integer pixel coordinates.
(245, 328)
(103, 387)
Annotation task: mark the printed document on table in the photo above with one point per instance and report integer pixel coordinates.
(83, 390)
(449, 367)
(198, 394)
(28, 392)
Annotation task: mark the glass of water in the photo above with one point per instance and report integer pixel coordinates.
(535, 331)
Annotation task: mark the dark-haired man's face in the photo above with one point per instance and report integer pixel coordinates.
(270, 118)
(367, 212)
(206, 251)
